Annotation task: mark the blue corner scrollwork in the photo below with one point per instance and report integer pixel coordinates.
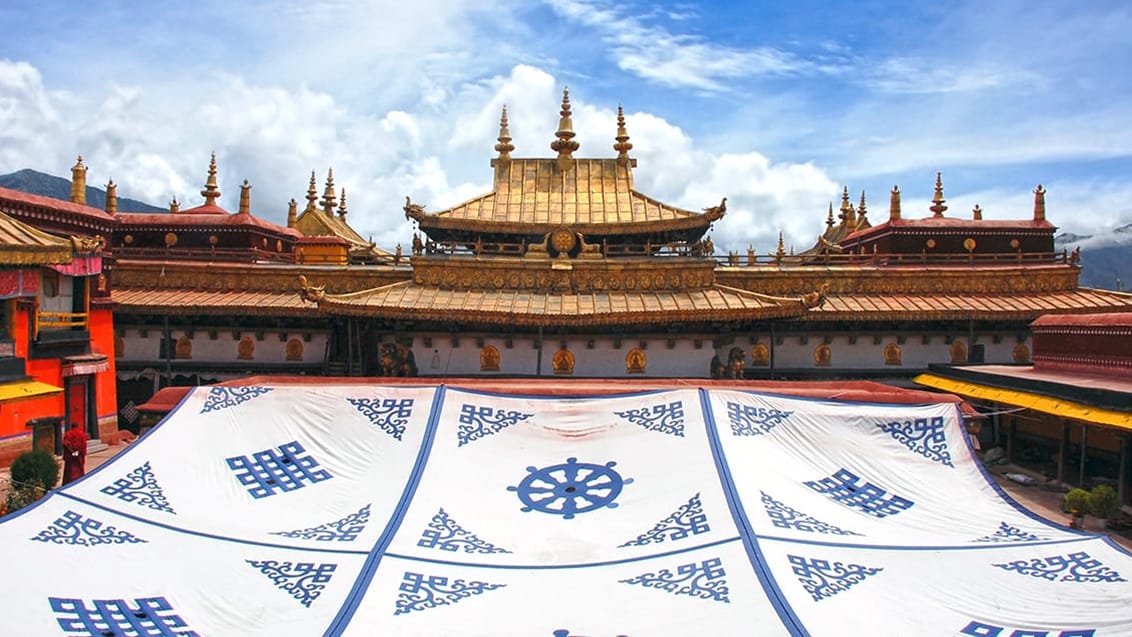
(687, 520)
(305, 581)
(345, 529)
(1009, 533)
(421, 592)
(823, 579)
(750, 420)
(391, 415)
(445, 534)
(1074, 567)
(926, 437)
(76, 530)
(785, 517)
(225, 397)
(477, 422)
(666, 418)
(703, 580)
(140, 486)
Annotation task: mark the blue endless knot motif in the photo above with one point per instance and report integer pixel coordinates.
(571, 488)
(704, 580)
(667, 419)
(925, 437)
(388, 414)
(785, 517)
(224, 397)
(303, 580)
(823, 579)
(1008, 533)
(979, 629)
(421, 592)
(342, 530)
(140, 486)
(1075, 567)
(749, 420)
(270, 470)
(688, 519)
(149, 616)
(443, 533)
(477, 422)
(845, 487)
(72, 528)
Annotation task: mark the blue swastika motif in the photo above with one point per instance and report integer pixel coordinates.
(443, 533)
(704, 580)
(923, 436)
(844, 487)
(421, 592)
(1009, 533)
(76, 530)
(823, 579)
(225, 397)
(388, 414)
(274, 470)
(1074, 567)
(477, 422)
(749, 420)
(140, 487)
(571, 488)
(148, 616)
(687, 520)
(342, 530)
(979, 629)
(785, 517)
(665, 418)
(303, 580)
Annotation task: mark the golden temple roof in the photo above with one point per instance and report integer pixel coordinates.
(228, 302)
(21, 244)
(1022, 306)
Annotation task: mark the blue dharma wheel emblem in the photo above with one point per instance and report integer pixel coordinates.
(571, 488)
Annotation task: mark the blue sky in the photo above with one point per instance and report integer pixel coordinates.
(775, 105)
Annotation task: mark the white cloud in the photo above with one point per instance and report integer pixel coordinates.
(30, 124)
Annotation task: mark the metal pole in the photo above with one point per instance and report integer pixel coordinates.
(538, 361)
(1122, 471)
(1084, 452)
(1062, 450)
(772, 344)
(168, 351)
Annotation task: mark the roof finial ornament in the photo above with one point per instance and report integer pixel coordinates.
(312, 194)
(211, 193)
(292, 212)
(622, 146)
(245, 198)
(1040, 203)
(829, 218)
(328, 197)
(504, 147)
(78, 182)
(937, 206)
(846, 214)
(894, 204)
(342, 205)
(565, 144)
(977, 213)
(781, 250)
(862, 222)
(174, 206)
(111, 197)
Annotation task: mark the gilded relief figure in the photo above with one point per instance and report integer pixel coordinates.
(1021, 353)
(892, 354)
(823, 355)
(489, 359)
(760, 355)
(183, 348)
(635, 361)
(958, 352)
(245, 350)
(294, 350)
(563, 362)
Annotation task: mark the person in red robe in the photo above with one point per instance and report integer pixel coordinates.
(74, 454)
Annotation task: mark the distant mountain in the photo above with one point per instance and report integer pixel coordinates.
(37, 183)
(1106, 258)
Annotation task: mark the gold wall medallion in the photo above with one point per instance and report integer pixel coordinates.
(823, 355)
(489, 359)
(245, 350)
(563, 362)
(636, 361)
(892, 354)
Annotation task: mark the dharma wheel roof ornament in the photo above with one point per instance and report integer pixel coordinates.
(211, 193)
(504, 147)
(565, 144)
(937, 207)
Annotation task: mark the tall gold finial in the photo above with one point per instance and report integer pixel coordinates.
(846, 214)
(977, 213)
(937, 206)
(246, 198)
(829, 218)
(894, 204)
(312, 194)
(292, 212)
(78, 182)
(211, 192)
(565, 144)
(174, 206)
(781, 250)
(504, 147)
(328, 198)
(342, 205)
(861, 212)
(622, 146)
(1040, 203)
(111, 197)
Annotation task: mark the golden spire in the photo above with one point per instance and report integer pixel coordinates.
(328, 198)
(781, 250)
(210, 192)
(246, 198)
(829, 219)
(312, 194)
(977, 213)
(1040, 203)
(111, 197)
(342, 205)
(846, 214)
(292, 212)
(861, 212)
(78, 182)
(504, 146)
(622, 146)
(894, 204)
(565, 144)
(937, 206)
(174, 206)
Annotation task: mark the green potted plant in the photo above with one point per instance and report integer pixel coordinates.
(1077, 504)
(1103, 502)
(32, 474)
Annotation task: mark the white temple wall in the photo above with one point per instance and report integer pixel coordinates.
(224, 348)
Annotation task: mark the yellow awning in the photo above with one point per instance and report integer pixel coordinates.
(27, 389)
(1038, 402)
